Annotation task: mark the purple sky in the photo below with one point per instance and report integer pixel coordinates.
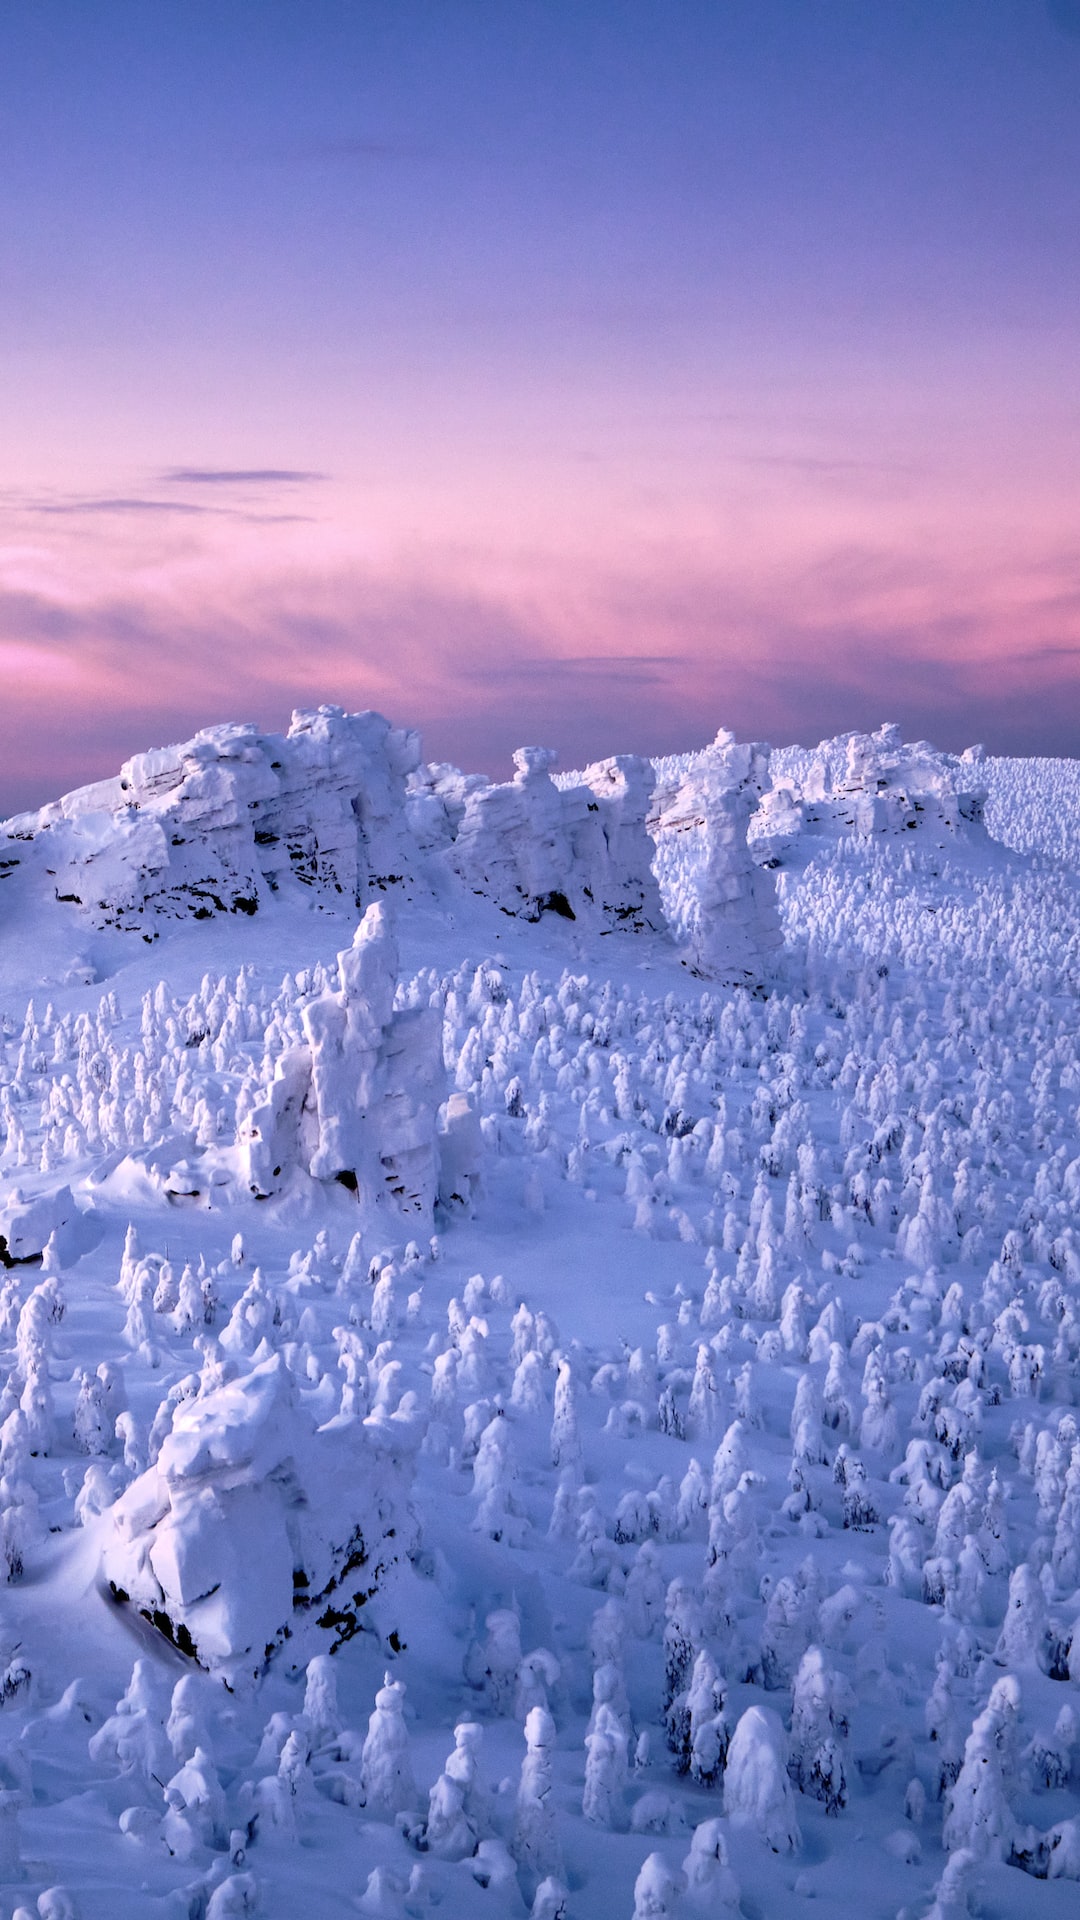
(593, 373)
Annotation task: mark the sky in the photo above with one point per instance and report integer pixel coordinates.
(589, 372)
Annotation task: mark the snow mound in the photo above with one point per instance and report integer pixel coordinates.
(255, 1516)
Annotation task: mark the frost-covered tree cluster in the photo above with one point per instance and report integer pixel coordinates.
(506, 1415)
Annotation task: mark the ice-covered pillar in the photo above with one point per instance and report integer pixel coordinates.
(376, 1077)
(721, 904)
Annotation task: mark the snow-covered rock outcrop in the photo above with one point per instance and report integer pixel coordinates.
(870, 783)
(718, 901)
(358, 1101)
(342, 805)
(578, 848)
(256, 1516)
(214, 824)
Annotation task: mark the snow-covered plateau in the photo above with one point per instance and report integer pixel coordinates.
(540, 1335)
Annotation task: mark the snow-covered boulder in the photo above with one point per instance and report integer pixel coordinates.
(254, 1517)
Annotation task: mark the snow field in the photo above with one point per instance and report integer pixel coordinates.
(715, 1467)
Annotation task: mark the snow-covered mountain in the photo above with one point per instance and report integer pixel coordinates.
(540, 1334)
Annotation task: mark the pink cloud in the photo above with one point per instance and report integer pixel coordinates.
(590, 659)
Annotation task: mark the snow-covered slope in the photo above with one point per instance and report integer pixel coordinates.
(496, 1417)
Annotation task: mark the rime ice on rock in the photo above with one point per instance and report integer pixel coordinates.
(720, 904)
(578, 848)
(358, 1102)
(872, 783)
(887, 784)
(253, 1517)
(218, 822)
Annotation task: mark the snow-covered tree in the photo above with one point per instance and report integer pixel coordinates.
(820, 1714)
(494, 1662)
(565, 1437)
(645, 1591)
(606, 1767)
(456, 1814)
(498, 1512)
(1022, 1640)
(757, 1792)
(386, 1768)
(535, 1843)
(657, 1890)
(711, 1887)
(978, 1817)
(703, 1411)
(708, 1732)
(195, 1807)
(682, 1638)
(133, 1737)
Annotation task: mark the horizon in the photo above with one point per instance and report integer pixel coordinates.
(565, 376)
(504, 773)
